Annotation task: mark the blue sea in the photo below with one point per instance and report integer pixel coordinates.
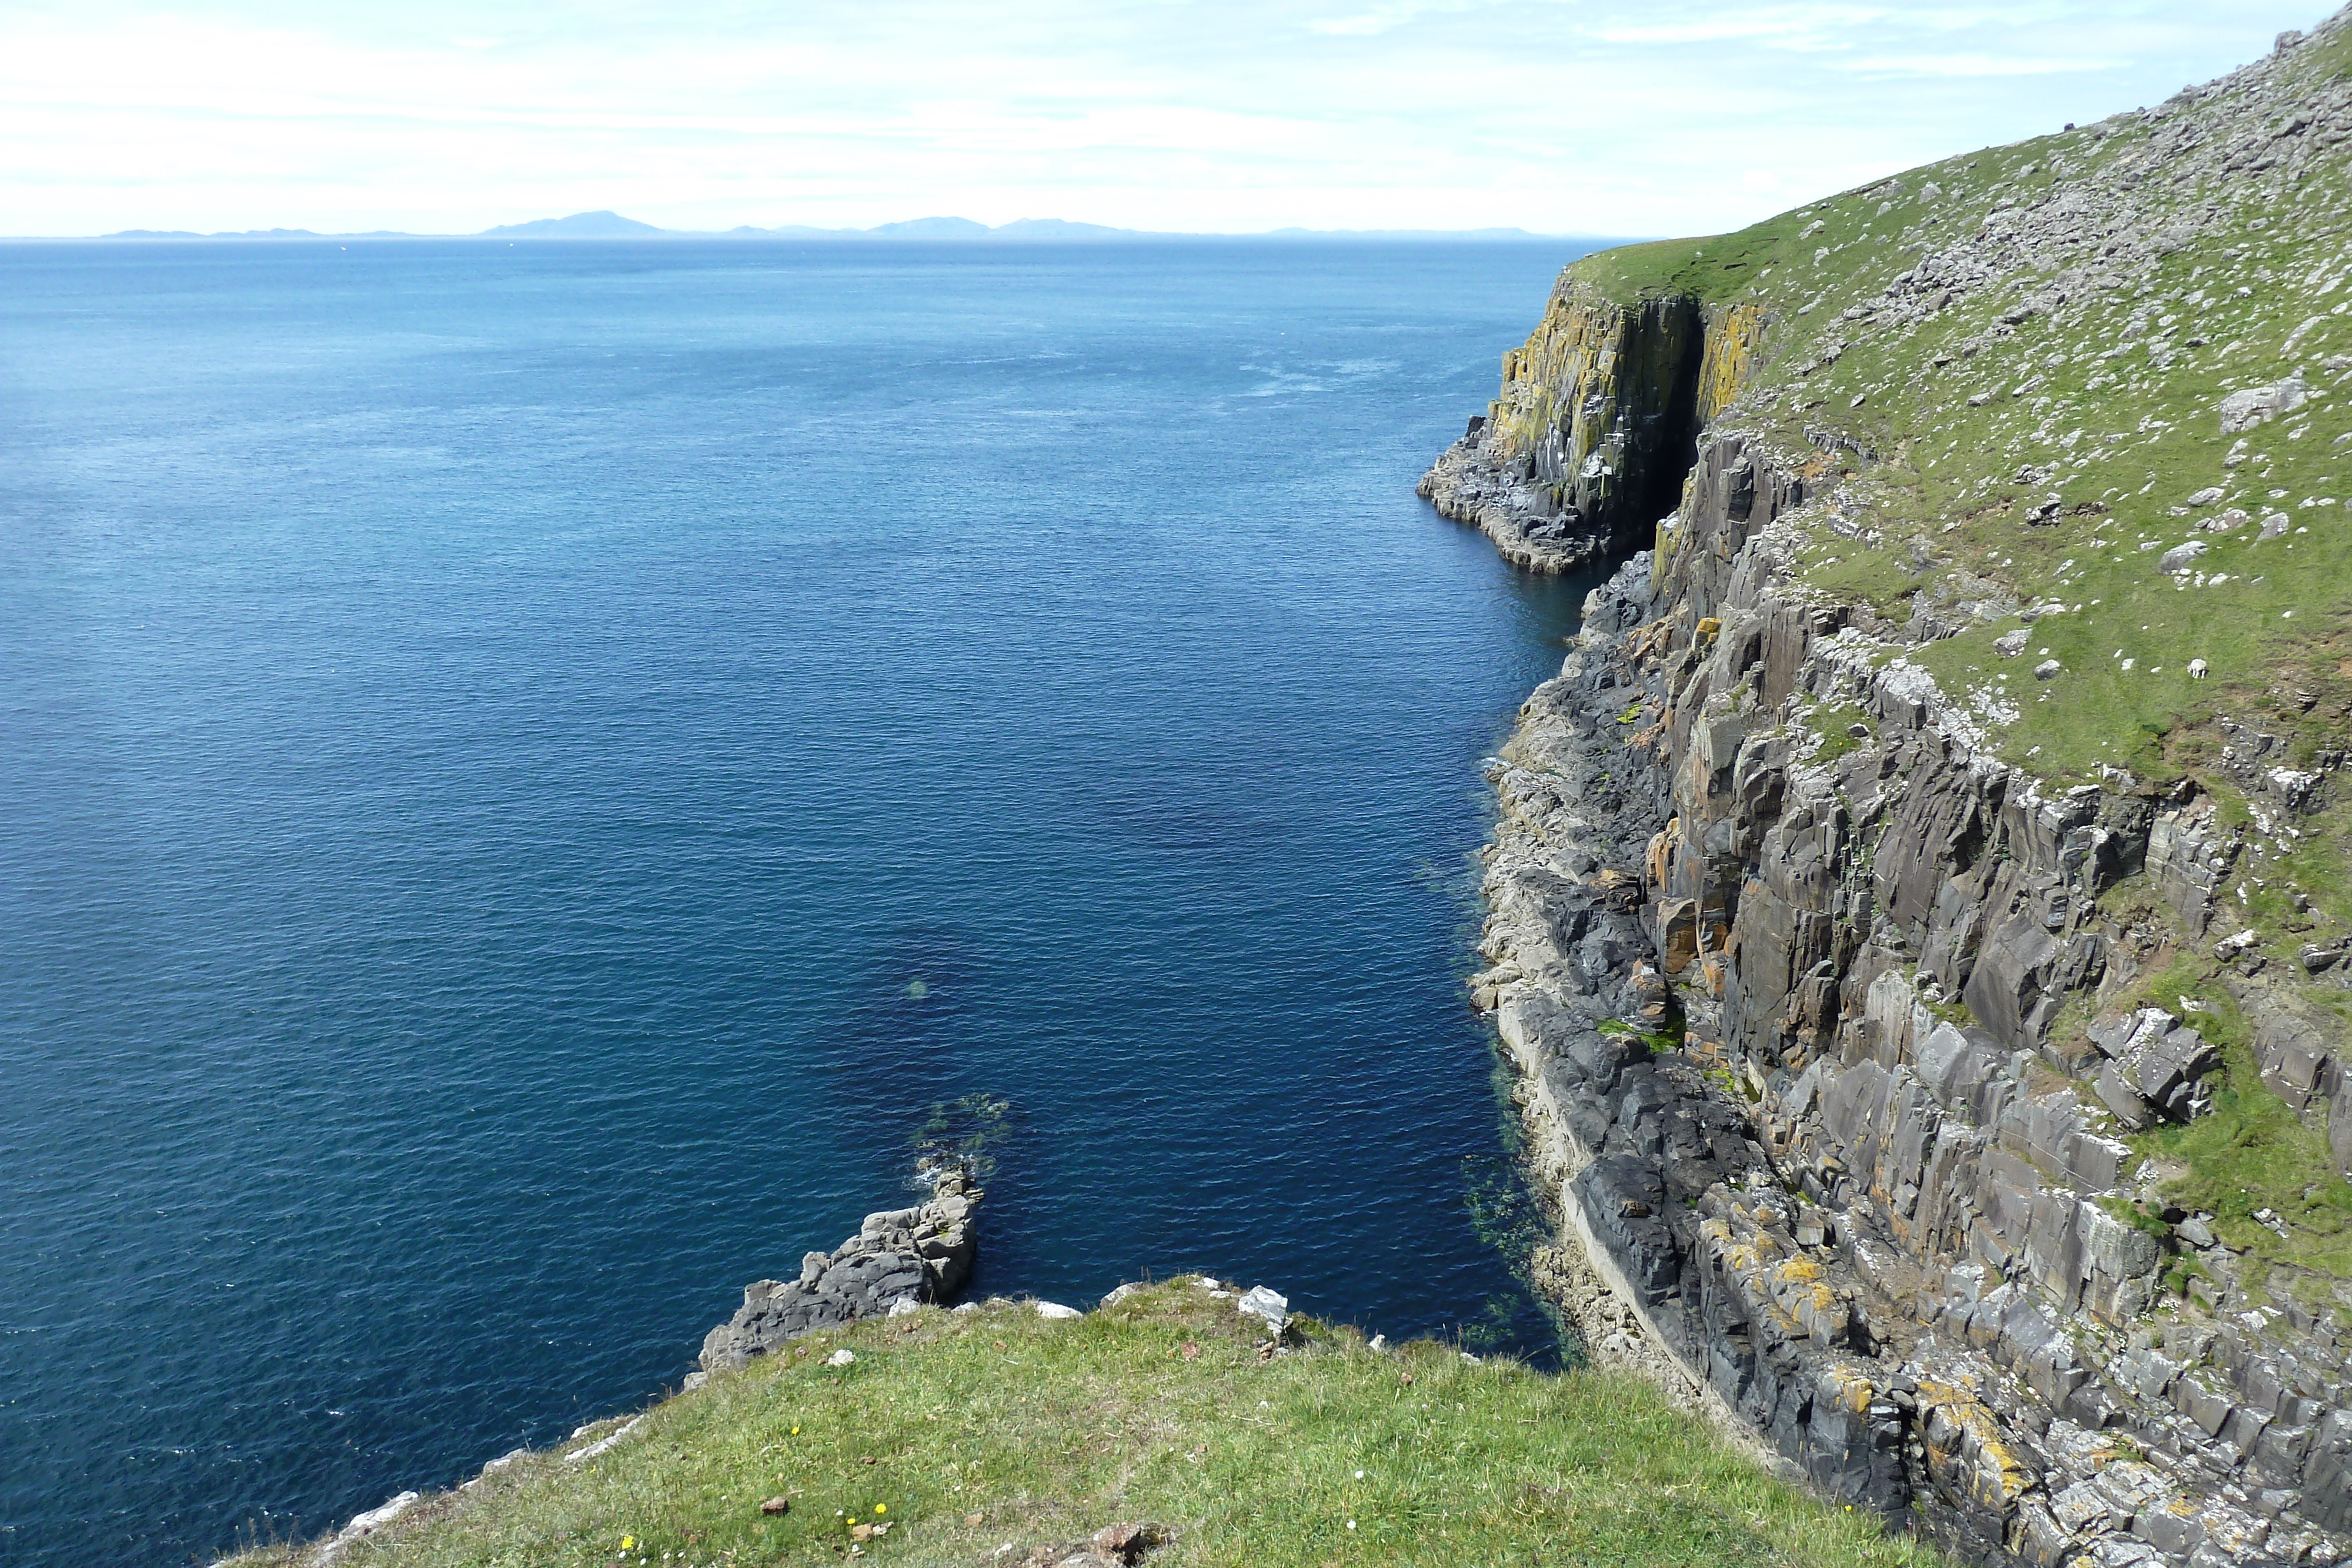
(532, 772)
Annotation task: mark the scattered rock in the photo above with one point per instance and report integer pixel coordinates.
(2229, 947)
(603, 1444)
(897, 1259)
(1057, 1313)
(2181, 558)
(2255, 405)
(775, 1505)
(845, 1356)
(1127, 1542)
(2009, 644)
(1267, 1306)
(2047, 669)
(361, 1527)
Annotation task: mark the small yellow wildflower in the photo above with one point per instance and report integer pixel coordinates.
(628, 1543)
(885, 1508)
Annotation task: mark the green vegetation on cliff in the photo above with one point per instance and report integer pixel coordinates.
(965, 1432)
(2068, 423)
(2009, 367)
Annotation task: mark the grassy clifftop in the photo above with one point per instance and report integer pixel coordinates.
(2017, 362)
(969, 1432)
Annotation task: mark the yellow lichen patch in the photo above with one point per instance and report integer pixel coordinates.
(1852, 1390)
(1966, 1455)
(1734, 332)
(1573, 348)
(1660, 861)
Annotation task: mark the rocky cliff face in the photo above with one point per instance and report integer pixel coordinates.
(1868, 1067)
(1585, 449)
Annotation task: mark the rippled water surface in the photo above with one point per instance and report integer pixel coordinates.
(528, 769)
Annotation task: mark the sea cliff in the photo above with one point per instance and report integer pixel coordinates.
(1934, 1047)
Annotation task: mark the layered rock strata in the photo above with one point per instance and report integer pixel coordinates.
(1836, 1032)
(899, 1258)
(1886, 1241)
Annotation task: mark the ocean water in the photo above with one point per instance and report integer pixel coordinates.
(530, 772)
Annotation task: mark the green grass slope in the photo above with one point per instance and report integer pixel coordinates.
(969, 1432)
(2015, 361)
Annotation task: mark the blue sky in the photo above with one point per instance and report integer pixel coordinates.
(1562, 116)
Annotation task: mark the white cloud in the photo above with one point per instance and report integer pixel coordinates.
(1976, 65)
(1590, 116)
(1807, 28)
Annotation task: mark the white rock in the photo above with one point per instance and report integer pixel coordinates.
(582, 1456)
(904, 1305)
(2009, 644)
(1056, 1312)
(2244, 410)
(845, 1356)
(362, 1526)
(2181, 558)
(1272, 1307)
(2046, 669)
(1120, 1294)
(2207, 496)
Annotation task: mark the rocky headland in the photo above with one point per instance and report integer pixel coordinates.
(1961, 1114)
(899, 1260)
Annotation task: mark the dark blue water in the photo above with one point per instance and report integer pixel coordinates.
(528, 771)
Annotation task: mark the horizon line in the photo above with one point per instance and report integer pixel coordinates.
(606, 224)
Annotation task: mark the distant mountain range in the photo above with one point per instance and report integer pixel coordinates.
(613, 226)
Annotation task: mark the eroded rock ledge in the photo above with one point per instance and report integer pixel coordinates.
(906, 1256)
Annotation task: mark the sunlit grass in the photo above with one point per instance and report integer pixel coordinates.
(977, 1429)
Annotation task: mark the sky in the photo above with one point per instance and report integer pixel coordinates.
(1590, 116)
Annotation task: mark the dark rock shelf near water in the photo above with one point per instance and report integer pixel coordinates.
(899, 1258)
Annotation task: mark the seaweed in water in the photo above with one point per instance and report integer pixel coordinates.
(1507, 1216)
(963, 1133)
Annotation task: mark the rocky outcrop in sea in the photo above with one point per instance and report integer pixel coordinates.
(899, 1259)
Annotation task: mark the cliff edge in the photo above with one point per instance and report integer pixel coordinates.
(1919, 909)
